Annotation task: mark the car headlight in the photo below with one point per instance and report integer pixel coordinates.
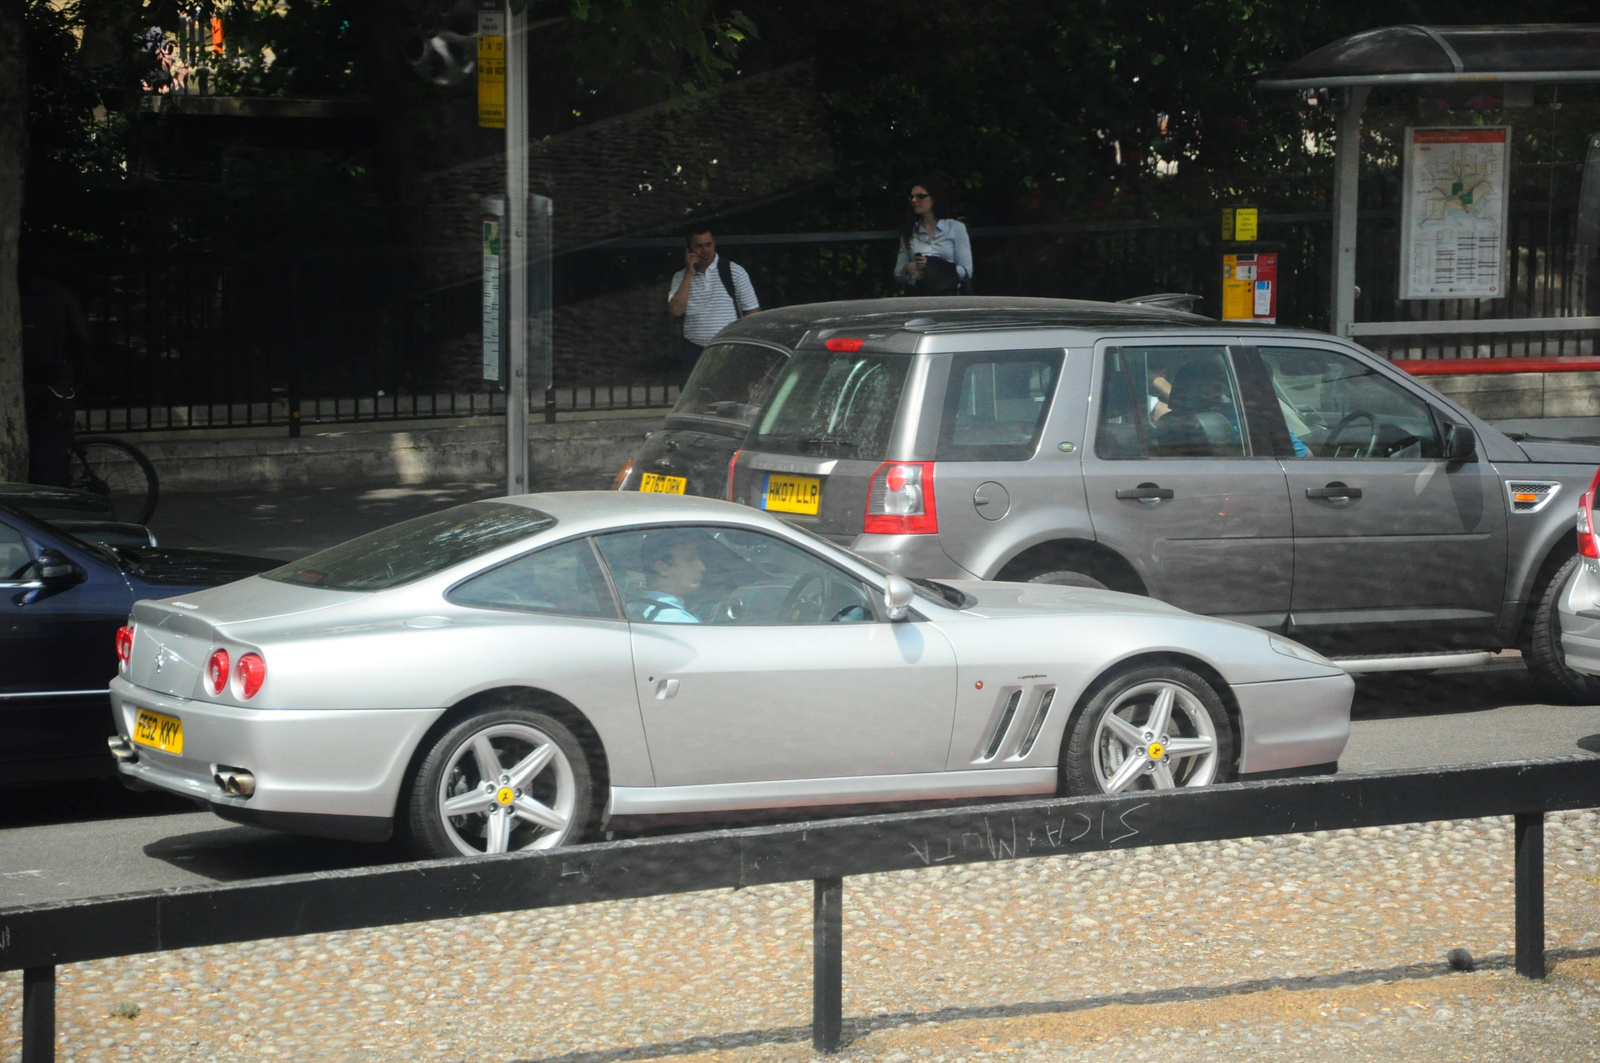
(1297, 651)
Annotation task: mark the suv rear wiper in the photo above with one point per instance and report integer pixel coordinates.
(820, 442)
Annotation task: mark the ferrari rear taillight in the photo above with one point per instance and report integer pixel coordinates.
(249, 674)
(900, 500)
(217, 672)
(1588, 545)
(124, 646)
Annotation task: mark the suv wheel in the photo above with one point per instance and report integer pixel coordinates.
(1544, 658)
(1066, 577)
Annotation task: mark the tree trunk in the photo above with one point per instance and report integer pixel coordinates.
(13, 159)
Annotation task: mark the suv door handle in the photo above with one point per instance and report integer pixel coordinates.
(1333, 490)
(1144, 492)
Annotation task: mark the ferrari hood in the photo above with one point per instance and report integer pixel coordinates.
(1032, 599)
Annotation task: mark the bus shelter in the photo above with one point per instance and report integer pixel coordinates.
(1446, 250)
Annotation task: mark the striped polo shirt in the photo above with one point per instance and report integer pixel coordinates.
(709, 307)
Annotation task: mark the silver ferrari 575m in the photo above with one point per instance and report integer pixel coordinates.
(523, 672)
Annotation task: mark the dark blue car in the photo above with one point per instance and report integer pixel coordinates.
(62, 599)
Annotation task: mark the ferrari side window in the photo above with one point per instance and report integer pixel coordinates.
(563, 579)
(713, 575)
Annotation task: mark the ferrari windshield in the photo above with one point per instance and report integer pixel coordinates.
(413, 549)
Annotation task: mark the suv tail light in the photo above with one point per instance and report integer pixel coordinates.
(733, 463)
(251, 672)
(125, 645)
(217, 672)
(622, 476)
(900, 500)
(1588, 544)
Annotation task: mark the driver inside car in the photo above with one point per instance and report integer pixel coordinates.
(673, 569)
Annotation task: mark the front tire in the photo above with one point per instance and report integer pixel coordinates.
(1545, 660)
(1149, 727)
(500, 781)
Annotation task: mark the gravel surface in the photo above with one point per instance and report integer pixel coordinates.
(1325, 947)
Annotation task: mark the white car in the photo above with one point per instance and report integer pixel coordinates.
(521, 672)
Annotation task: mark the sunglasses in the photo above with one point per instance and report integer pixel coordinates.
(920, 195)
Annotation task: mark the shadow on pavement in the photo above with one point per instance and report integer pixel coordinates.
(1388, 695)
(230, 854)
(82, 801)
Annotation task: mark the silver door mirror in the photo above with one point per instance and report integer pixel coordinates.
(897, 596)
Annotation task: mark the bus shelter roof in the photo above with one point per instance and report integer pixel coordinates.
(1419, 55)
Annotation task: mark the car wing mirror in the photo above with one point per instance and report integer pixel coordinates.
(53, 569)
(897, 596)
(1460, 443)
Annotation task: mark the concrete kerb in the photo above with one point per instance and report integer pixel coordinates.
(571, 452)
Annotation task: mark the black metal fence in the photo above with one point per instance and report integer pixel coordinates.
(187, 338)
(37, 938)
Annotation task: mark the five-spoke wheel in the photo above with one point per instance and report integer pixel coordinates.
(499, 781)
(1151, 727)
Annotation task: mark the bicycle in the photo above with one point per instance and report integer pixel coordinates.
(118, 472)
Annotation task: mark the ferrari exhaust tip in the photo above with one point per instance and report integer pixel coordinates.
(235, 781)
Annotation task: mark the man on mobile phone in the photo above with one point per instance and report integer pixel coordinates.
(708, 293)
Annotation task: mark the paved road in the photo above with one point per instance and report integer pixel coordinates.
(80, 841)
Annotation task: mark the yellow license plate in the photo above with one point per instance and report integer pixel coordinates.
(666, 485)
(791, 494)
(163, 732)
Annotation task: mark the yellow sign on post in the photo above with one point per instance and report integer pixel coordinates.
(1244, 224)
(1227, 224)
(492, 69)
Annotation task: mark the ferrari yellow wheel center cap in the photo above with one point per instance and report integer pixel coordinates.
(504, 795)
(1156, 751)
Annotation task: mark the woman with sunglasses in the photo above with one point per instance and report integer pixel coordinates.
(935, 252)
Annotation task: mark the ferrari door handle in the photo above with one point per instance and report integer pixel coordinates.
(1144, 492)
(1335, 490)
(666, 688)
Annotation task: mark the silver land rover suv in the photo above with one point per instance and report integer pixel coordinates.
(1279, 477)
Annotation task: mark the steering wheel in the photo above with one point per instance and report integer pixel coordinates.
(1332, 442)
(795, 602)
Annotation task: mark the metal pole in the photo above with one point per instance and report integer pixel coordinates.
(39, 1015)
(827, 963)
(1530, 893)
(1346, 198)
(514, 241)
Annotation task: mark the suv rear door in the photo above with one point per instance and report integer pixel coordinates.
(1182, 478)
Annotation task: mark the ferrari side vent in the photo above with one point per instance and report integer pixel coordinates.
(1005, 723)
(1038, 722)
(1530, 496)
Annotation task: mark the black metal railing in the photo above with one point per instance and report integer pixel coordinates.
(190, 338)
(37, 938)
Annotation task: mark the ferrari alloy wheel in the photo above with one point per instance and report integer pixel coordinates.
(500, 781)
(1148, 728)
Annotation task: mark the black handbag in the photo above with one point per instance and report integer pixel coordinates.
(938, 277)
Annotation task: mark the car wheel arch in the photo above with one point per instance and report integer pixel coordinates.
(1079, 555)
(518, 697)
(1203, 669)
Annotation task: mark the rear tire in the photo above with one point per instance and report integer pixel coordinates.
(1544, 658)
(1119, 742)
(1067, 577)
(500, 780)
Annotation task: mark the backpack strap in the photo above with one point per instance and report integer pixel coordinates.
(725, 271)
